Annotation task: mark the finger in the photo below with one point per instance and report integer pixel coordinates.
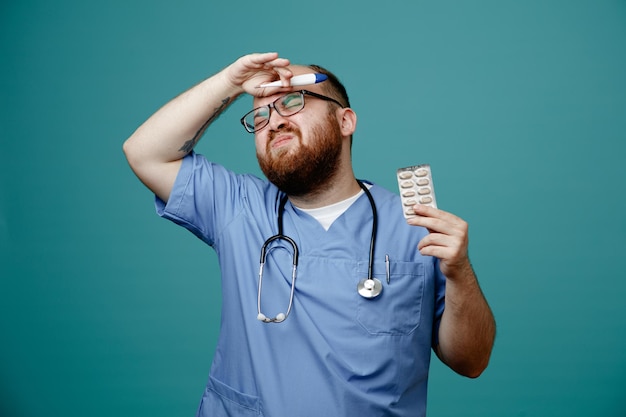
(440, 239)
(278, 64)
(268, 63)
(424, 210)
(284, 75)
(437, 220)
(439, 252)
(458, 244)
(449, 251)
(430, 223)
(434, 238)
(265, 58)
(436, 245)
(428, 211)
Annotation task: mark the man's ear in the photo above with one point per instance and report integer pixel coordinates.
(347, 121)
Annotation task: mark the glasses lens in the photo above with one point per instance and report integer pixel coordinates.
(287, 105)
(290, 104)
(257, 118)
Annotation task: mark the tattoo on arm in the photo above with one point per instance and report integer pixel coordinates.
(189, 145)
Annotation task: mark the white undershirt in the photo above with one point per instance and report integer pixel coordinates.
(328, 214)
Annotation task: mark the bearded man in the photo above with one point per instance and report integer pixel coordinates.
(350, 297)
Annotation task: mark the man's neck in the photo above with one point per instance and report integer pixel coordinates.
(332, 192)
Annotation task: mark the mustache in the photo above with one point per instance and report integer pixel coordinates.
(292, 130)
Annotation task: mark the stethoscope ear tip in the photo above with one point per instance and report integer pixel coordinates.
(279, 318)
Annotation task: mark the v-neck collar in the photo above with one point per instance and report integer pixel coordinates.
(309, 225)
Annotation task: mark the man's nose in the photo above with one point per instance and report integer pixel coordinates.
(277, 121)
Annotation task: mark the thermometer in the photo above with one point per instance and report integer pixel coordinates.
(304, 79)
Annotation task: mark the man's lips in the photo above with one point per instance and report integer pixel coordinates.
(281, 140)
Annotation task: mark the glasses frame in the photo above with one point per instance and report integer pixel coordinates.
(272, 105)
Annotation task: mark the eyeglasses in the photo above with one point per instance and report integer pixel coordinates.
(287, 105)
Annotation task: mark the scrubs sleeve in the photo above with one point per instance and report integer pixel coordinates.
(202, 190)
(440, 296)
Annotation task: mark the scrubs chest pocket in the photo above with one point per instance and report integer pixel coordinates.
(397, 310)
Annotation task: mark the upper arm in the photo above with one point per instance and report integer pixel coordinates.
(158, 176)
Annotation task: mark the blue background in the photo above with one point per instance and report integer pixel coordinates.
(519, 106)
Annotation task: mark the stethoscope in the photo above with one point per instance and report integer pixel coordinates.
(369, 287)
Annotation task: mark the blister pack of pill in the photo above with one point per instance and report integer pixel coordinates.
(416, 187)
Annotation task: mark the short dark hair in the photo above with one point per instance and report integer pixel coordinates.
(333, 87)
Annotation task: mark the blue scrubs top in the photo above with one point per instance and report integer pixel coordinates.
(337, 354)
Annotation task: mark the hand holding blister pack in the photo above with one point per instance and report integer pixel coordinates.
(416, 187)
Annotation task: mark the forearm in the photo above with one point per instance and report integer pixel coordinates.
(467, 329)
(156, 149)
(172, 132)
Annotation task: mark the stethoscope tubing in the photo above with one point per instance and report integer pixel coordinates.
(368, 287)
(370, 266)
(281, 316)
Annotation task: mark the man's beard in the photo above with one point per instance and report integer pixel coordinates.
(308, 168)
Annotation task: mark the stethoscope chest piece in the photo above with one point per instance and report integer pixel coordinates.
(369, 287)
